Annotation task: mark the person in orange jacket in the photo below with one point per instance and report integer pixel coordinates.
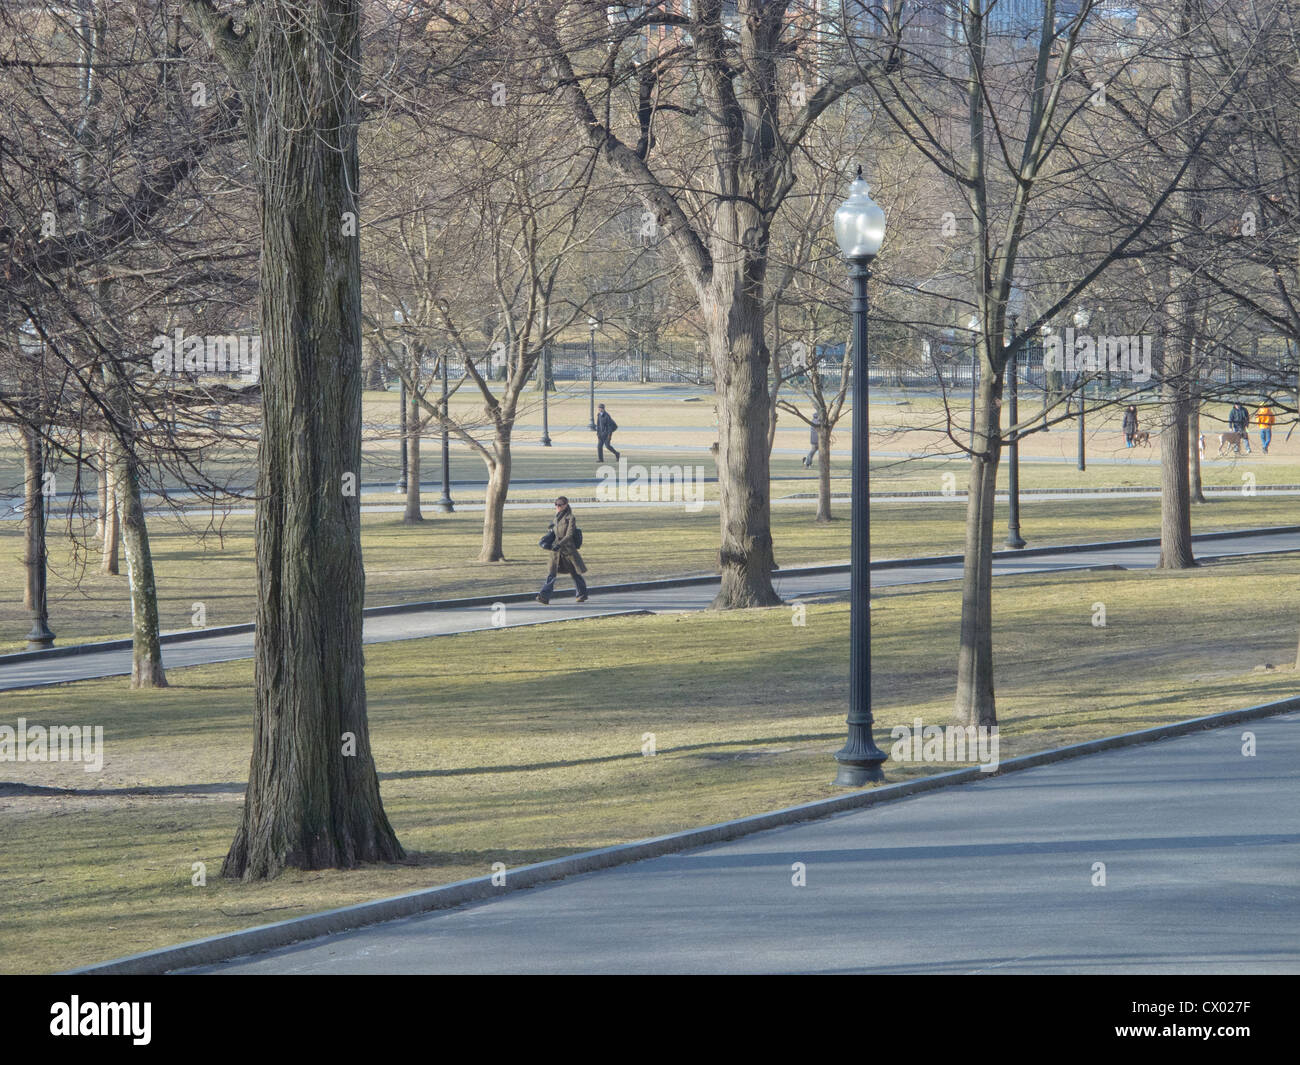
(1264, 419)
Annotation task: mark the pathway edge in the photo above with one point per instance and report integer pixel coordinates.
(262, 938)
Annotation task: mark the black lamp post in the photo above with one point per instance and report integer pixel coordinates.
(859, 231)
(1081, 320)
(591, 351)
(445, 505)
(546, 388)
(1014, 539)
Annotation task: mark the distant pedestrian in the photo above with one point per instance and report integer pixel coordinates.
(1238, 418)
(814, 437)
(564, 553)
(605, 428)
(1130, 425)
(1264, 419)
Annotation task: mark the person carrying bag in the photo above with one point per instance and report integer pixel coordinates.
(563, 541)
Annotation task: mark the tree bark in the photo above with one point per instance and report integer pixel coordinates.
(313, 797)
(737, 343)
(975, 704)
(1176, 387)
(1197, 491)
(494, 502)
(824, 474)
(1175, 481)
(146, 649)
(102, 515)
(744, 478)
(108, 562)
(412, 445)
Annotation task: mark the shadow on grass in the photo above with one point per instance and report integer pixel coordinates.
(626, 756)
(236, 787)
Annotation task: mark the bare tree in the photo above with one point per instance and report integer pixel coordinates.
(1022, 153)
(701, 114)
(313, 793)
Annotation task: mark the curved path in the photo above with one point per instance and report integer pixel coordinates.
(1199, 846)
(416, 621)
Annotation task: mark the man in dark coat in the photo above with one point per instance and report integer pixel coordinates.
(1238, 418)
(605, 426)
(564, 553)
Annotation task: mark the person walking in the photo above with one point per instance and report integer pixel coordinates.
(605, 428)
(564, 553)
(1238, 418)
(1130, 425)
(1264, 419)
(814, 438)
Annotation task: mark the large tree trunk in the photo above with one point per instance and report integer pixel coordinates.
(412, 445)
(313, 792)
(975, 704)
(740, 366)
(494, 502)
(824, 474)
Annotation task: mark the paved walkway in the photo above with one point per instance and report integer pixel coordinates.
(1200, 847)
(442, 621)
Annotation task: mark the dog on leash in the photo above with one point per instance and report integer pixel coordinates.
(1227, 441)
(1141, 438)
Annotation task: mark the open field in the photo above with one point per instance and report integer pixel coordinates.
(539, 754)
(675, 424)
(434, 559)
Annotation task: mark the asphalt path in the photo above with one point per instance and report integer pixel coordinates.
(1175, 857)
(443, 620)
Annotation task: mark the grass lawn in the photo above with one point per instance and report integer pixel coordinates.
(525, 744)
(434, 559)
(678, 425)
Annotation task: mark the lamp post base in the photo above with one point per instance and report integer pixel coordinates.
(546, 441)
(1015, 541)
(40, 638)
(854, 776)
(861, 761)
(445, 506)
